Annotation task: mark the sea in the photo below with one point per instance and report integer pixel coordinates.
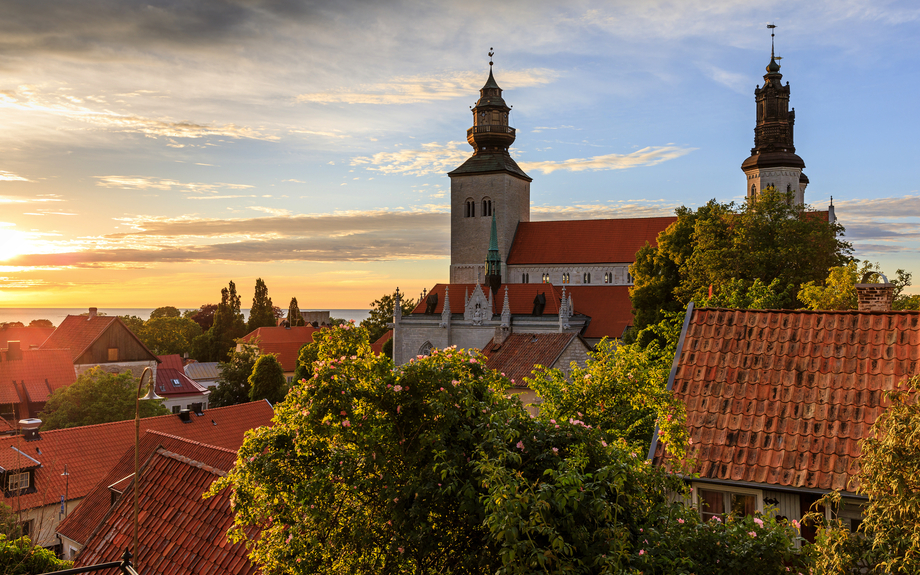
(57, 314)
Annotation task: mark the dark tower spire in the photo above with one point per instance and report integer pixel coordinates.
(773, 157)
(493, 260)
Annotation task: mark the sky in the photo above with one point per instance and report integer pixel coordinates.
(151, 152)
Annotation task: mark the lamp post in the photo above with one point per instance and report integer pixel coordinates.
(151, 394)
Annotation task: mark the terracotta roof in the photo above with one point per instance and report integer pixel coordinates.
(520, 352)
(90, 451)
(78, 332)
(608, 306)
(520, 298)
(377, 346)
(26, 336)
(284, 342)
(38, 373)
(174, 382)
(80, 524)
(12, 458)
(180, 533)
(782, 398)
(203, 370)
(173, 361)
(584, 241)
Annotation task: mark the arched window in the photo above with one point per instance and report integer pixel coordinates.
(629, 278)
(487, 207)
(587, 278)
(426, 348)
(753, 190)
(608, 277)
(470, 208)
(525, 278)
(545, 278)
(565, 278)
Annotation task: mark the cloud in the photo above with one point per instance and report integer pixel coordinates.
(25, 200)
(649, 156)
(619, 209)
(315, 133)
(148, 183)
(11, 177)
(433, 158)
(272, 211)
(429, 88)
(734, 81)
(539, 129)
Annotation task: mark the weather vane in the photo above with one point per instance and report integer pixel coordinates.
(491, 53)
(772, 35)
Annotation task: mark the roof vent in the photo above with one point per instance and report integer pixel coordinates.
(196, 407)
(29, 428)
(186, 416)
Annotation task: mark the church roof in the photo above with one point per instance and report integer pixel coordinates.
(516, 357)
(584, 241)
(520, 298)
(485, 163)
(608, 306)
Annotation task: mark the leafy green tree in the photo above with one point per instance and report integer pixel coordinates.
(622, 390)
(261, 314)
(233, 387)
(267, 380)
(294, 318)
(305, 358)
(381, 313)
(838, 290)
(426, 469)
(21, 557)
(41, 323)
(11, 324)
(204, 316)
(134, 323)
(228, 325)
(167, 335)
(166, 311)
(741, 294)
(97, 396)
(769, 239)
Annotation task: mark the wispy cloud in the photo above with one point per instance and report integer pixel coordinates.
(11, 177)
(149, 183)
(28, 200)
(649, 156)
(414, 89)
(432, 158)
(640, 208)
(272, 211)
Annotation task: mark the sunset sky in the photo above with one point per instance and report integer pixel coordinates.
(152, 151)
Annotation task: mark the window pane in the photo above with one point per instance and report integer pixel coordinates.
(742, 505)
(711, 503)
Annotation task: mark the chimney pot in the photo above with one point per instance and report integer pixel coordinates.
(29, 428)
(875, 297)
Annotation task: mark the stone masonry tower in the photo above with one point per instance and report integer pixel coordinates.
(489, 184)
(773, 160)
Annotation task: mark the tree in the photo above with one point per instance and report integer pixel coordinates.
(11, 324)
(381, 313)
(267, 380)
(233, 387)
(133, 323)
(228, 325)
(166, 335)
(308, 353)
(741, 294)
(770, 238)
(21, 557)
(166, 311)
(204, 316)
(261, 314)
(838, 290)
(97, 396)
(41, 323)
(294, 318)
(427, 469)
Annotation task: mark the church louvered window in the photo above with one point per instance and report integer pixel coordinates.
(525, 278)
(486, 207)
(470, 209)
(608, 278)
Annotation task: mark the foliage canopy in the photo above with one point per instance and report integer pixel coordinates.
(381, 313)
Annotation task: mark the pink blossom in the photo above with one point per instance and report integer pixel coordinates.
(400, 549)
(796, 524)
(473, 360)
(455, 382)
(397, 388)
(343, 412)
(758, 521)
(752, 533)
(680, 520)
(641, 551)
(520, 445)
(604, 443)
(346, 423)
(555, 450)
(552, 421)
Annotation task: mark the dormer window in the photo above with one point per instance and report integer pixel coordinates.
(17, 481)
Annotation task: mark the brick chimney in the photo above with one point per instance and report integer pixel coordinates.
(875, 297)
(92, 312)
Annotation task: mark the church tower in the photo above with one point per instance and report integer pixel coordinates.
(773, 160)
(488, 185)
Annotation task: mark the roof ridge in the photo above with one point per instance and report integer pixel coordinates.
(189, 441)
(189, 461)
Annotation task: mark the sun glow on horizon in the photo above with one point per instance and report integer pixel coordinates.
(14, 243)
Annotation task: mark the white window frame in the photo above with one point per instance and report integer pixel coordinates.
(21, 481)
(726, 490)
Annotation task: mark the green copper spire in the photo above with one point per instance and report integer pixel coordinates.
(493, 259)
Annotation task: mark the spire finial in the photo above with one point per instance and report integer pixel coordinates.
(491, 53)
(772, 35)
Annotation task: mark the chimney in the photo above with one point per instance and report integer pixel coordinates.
(875, 297)
(196, 407)
(29, 428)
(13, 351)
(185, 415)
(92, 312)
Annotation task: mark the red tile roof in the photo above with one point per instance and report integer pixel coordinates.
(520, 352)
(584, 241)
(180, 533)
(78, 332)
(167, 386)
(173, 361)
(783, 397)
(608, 306)
(79, 525)
(283, 342)
(12, 458)
(26, 336)
(520, 298)
(90, 451)
(377, 346)
(38, 373)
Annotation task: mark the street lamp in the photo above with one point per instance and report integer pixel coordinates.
(151, 394)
